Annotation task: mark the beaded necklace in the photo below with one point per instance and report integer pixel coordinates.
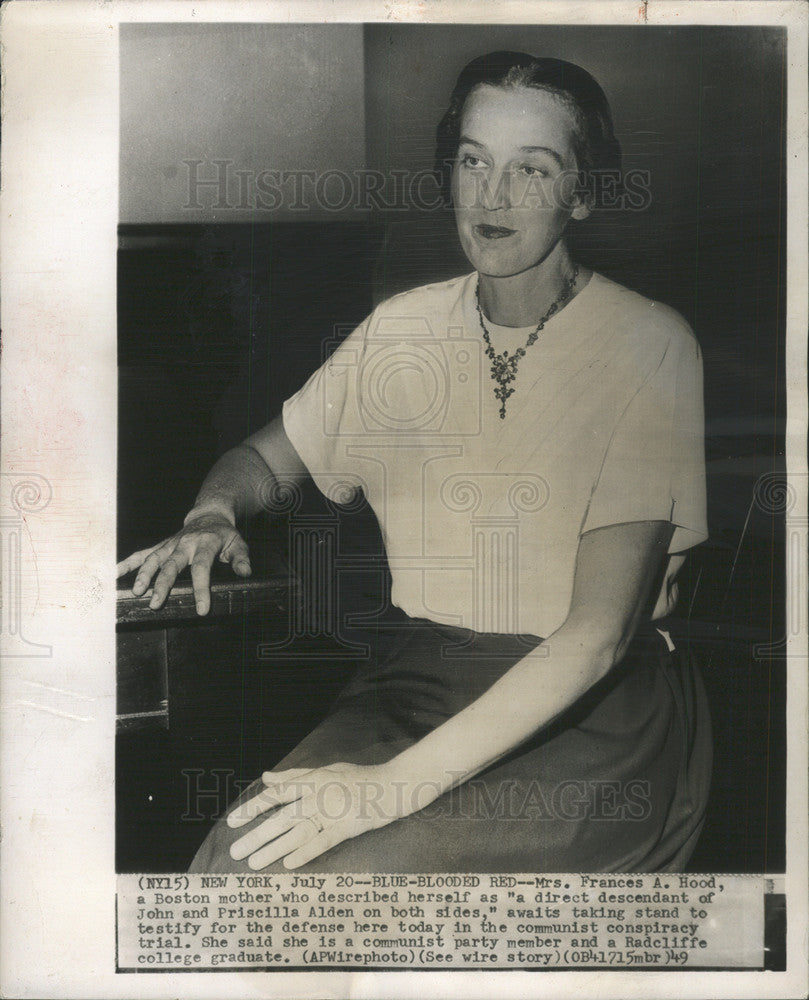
(504, 368)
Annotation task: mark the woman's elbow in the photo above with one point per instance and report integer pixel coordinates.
(600, 648)
(604, 657)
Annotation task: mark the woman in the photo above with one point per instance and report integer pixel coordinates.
(530, 439)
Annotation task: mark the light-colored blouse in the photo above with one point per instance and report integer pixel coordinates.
(482, 516)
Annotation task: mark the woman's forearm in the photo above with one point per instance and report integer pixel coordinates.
(615, 569)
(536, 690)
(244, 477)
(234, 486)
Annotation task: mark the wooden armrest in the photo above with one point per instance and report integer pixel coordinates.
(227, 598)
(147, 639)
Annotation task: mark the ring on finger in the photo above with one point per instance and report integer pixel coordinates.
(317, 821)
(223, 552)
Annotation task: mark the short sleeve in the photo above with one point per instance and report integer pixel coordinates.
(654, 466)
(323, 414)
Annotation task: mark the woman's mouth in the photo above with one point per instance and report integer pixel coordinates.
(493, 232)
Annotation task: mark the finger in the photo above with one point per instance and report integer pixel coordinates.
(266, 799)
(313, 848)
(281, 777)
(248, 810)
(291, 841)
(237, 554)
(171, 568)
(201, 578)
(150, 566)
(134, 561)
(279, 823)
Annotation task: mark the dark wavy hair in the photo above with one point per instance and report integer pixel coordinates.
(594, 144)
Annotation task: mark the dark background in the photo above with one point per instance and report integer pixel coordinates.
(220, 321)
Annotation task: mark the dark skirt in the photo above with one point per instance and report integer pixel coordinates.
(618, 783)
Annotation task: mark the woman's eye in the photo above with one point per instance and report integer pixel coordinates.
(470, 160)
(527, 170)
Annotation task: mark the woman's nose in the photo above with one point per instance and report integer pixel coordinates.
(497, 190)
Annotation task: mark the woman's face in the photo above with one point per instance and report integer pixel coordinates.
(515, 178)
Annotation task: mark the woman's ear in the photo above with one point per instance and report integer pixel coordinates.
(582, 205)
(580, 198)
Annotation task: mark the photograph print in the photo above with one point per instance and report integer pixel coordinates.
(451, 448)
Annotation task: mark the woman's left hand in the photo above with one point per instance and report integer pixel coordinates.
(318, 809)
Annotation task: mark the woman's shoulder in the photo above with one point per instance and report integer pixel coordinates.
(436, 296)
(642, 327)
(645, 320)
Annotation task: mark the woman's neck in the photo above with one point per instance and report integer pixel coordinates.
(521, 300)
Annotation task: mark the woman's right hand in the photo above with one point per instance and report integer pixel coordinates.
(201, 540)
